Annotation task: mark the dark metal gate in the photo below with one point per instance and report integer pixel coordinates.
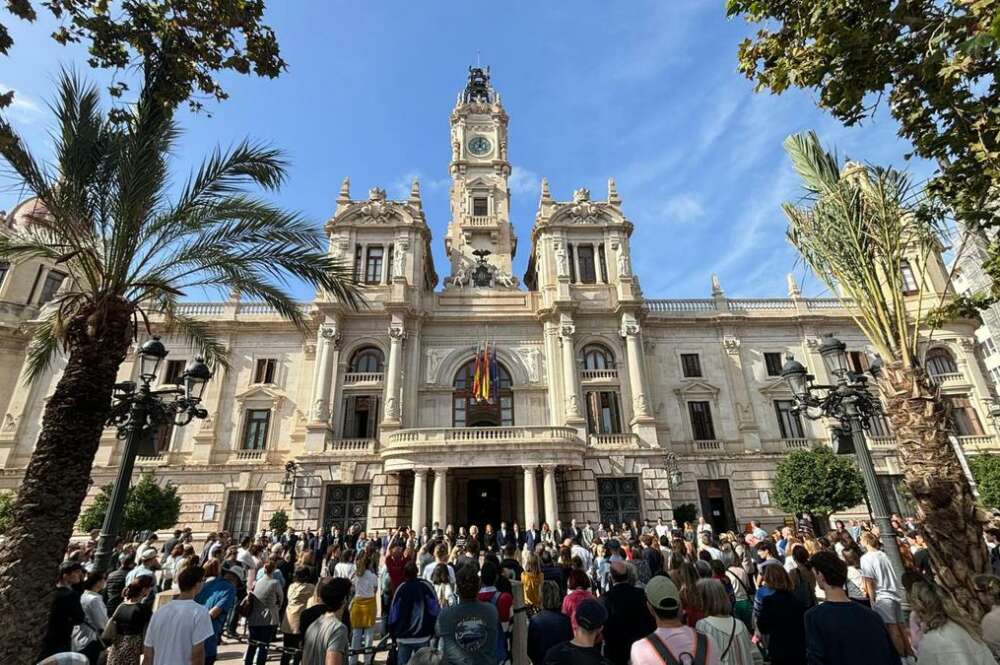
(345, 506)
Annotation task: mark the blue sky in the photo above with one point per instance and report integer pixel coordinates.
(649, 95)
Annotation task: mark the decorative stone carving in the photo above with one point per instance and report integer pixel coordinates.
(397, 333)
(732, 345)
(309, 349)
(586, 212)
(329, 331)
(399, 251)
(319, 411)
(813, 343)
(630, 328)
(582, 194)
(458, 280)
(572, 403)
(347, 470)
(716, 286)
(378, 210)
(567, 329)
(641, 404)
(562, 267)
(338, 247)
(392, 408)
(9, 422)
(624, 265)
(530, 356)
(435, 357)
(506, 279)
(967, 343)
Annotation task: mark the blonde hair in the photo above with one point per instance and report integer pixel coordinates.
(935, 610)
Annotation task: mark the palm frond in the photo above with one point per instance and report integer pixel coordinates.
(44, 344)
(199, 333)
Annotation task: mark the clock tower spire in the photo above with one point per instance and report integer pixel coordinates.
(480, 241)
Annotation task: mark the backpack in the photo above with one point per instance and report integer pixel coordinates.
(700, 656)
(501, 634)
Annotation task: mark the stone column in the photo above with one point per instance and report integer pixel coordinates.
(419, 499)
(570, 378)
(530, 498)
(393, 379)
(549, 492)
(439, 506)
(636, 374)
(326, 342)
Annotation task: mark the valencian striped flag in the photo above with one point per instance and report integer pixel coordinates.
(477, 374)
(486, 375)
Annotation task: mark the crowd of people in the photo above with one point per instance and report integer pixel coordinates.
(645, 594)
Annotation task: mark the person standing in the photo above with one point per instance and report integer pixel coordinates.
(781, 619)
(548, 627)
(130, 620)
(363, 606)
(412, 614)
(582, 649)
(628, 619)
(265, 614)
(325, 640)
(672, 640)
(218, 596)
(299, 593)
(87, 634)
(116, 583)
(178, 630)
(727, 633)
(839, 630)
(949, 638)
(66, 611)
(884, 591)
(468, 630)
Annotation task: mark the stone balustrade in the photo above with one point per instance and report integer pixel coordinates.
(797, 444)
(979, 443)
(684, 305)
(882, 441)
(948, 379)
(708, 445)
(482, 220)
(258, 455)
(351, 378)
(599, 374)
(779, 306)
(614, 441)
(363, 446)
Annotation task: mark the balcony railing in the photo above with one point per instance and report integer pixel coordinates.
(599, 374)
(983, 442)
(708, 445)
(150, 459)
(482, 220)
(351, 378)
(351, 446)
(796, 444)
(882, 441)
(742, 305)
(614, 441)
(683, 305)
(474, 435)
(249, 455)
(948, 379)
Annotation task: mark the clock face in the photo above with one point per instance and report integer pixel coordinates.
(479, 145)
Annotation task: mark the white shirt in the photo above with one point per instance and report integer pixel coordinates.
(714, 551)
(343, 569)
(429, 571)
(366, 585)
(951, 645)
(583, 553)
(876, 567)
(662, 530)
(704, 527)
(175, 629)
(95, 614)
(244, 557)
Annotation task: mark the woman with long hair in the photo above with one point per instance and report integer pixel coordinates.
(782, 619)
(685, 578)
(802, 578)
(855, 580)
(729, 635)
(130, 620)
(300, 591)
(265, 614)
(578, 585)
(444, 590)
(531, 580)
(363, 608)
(949, 638)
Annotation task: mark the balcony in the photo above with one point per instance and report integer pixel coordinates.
(244, 456)
(949, 379)
(598, 375)
(624, 440)
(484, 221)
(796, 444)
(451, 447)
(882, 442)
(351, 446)
(979, 443)
(150, 460)
(708, 446)
(356, 378)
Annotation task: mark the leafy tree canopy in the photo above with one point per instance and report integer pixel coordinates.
(935, 61)
(986, 471)
(148, 505)
(278, 522)
(686, 512)
(191, 40)
(6, 510)
(818, 482)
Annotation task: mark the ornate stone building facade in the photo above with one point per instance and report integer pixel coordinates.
(610, 406)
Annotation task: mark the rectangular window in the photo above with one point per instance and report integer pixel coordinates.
(879, 426)
(506, 410)
(572, 264)
(164, 435)
(585, 256)
(603, 412)
(255, 429)
(701, 421)
(458, 412)
(480, 206)
(388, 263)
(964, 417)
(175, 368)
(264, 371)
(991, 347)
(789, 421)
(361, 416)
(373, 265)
(858, 361)
(690, 365)
(242, 514)
(358, 263)
(910, 285)
(772, 361)
(53, 281)
(603, 260)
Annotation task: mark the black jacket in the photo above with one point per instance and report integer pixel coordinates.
(628, 621)
(781, 618)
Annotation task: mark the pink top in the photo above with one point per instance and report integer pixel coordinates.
(572, 601)
(679, 640)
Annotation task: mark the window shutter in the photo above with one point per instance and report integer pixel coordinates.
(373, 417)
(593, 412)
(603, 261)
(388, 267)
(349, 414)
(572, 264)
(616, 414)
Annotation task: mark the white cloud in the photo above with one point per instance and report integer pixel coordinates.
(523, 181)
(683, 208)
(24, 108)
(400, 187)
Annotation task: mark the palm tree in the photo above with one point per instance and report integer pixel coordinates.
(855, 228)
(104, 211)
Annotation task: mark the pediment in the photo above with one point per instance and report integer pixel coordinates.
(697, 388)
(776, 387)
(261, 393)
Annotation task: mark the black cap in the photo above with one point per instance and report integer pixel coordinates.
(591, 615)
(67, 567)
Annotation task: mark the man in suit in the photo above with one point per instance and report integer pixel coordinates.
(628, 619)
(531, 537)
(587, 535)
(573, 532)
(504, 536)
(557, 533)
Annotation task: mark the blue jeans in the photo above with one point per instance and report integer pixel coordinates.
(405, 651)
(263, 634)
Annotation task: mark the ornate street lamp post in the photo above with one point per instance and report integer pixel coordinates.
(852, 406)
(138, 413)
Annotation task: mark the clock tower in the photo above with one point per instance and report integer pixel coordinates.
(480, 241)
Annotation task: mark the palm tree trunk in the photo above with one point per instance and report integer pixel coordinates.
(58, 475)
(951, 520)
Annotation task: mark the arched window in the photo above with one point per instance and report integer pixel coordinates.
(467, 411)
(940, 361)
(368, 359)
(596, 356)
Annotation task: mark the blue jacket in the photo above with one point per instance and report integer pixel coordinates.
(414, 610)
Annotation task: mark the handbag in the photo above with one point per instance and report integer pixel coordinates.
(245, 608)
(110, 632)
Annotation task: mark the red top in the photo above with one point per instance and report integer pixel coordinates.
(395, 567)
(504, 602)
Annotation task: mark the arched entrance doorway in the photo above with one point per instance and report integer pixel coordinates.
(467, 411)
